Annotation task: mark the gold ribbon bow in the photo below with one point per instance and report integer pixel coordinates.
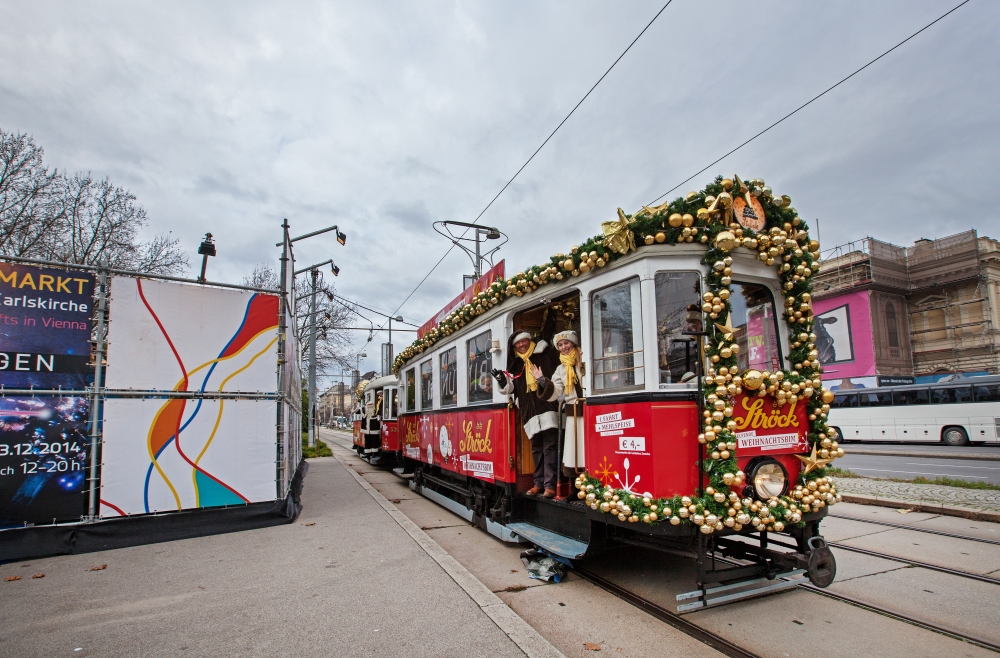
(618, 235)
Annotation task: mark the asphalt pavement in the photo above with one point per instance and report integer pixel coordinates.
(909, 468)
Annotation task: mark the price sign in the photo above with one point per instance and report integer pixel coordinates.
(632, 443)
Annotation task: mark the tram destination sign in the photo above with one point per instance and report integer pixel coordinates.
(45, 323)
(763, 427)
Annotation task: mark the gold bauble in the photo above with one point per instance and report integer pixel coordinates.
(727, 184)
(584, 268)
(726, 352)
(726, 241)
(660, 237)
(649, 239)
(688, 219)
(752, 379)
(691, 195)
(703, 213)
(827, 397)
(707, 529)
(674, 520)
(676, 220)
(726, 199)
(569, 265)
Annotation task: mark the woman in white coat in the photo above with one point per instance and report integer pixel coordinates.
(565, 386)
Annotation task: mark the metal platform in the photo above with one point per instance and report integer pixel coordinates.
(745, 589)
(549, 541)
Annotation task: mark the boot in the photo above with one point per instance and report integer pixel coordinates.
(549, 493)
(534, 491)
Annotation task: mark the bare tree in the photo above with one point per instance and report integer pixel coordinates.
(29, 212)
(332, 316)
(74, 219)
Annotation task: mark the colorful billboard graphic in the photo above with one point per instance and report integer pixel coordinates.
(177, 453)
(164, 455)
(45, 319)
(43, 459)
(843, 329)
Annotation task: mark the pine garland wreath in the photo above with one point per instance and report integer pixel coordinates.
(708, 217)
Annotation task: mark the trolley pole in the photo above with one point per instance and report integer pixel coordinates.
(95, 402)
(312, 360)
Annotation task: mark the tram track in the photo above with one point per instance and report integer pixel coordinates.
(686, 626)
(917, 563)
(904, 526)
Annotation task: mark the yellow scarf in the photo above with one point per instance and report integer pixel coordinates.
(529, 380)
(569, 360)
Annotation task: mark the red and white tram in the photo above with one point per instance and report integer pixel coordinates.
(376, 435)
(685, 374)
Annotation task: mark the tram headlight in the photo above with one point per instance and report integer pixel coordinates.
(768, 478)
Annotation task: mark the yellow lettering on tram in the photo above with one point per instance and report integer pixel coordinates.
(756, 418)
(475, 441)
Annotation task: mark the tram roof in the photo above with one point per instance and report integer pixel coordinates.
(381, 382)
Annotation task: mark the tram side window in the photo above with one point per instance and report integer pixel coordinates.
(756, 322)
(392, 409)
(449, 378)
(951, 395)
(617, 335)
(875, 398)
(678, 310)
(480, 364)
(919, 396)
(988, 393)
(411, 390)
(426, 385)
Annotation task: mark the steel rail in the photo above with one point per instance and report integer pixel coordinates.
(915, 621)
(929, 531)
(915, 563)
(717, 642)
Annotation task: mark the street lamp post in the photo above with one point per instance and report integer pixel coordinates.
(314, 271)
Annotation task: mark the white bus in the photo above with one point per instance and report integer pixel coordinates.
(952, 413)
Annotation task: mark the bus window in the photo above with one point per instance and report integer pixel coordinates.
(411, 390)
(842, 400)
(678, 309)
(617, 336)
(480, 364)
(449, 383)
(988, 393)
(951, 395)
(426, 385)
(756, 321)
(875, 398)
(919, 396)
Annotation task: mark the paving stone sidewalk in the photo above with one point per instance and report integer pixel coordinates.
(979, 499)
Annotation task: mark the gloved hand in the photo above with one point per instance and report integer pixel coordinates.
(500, 376)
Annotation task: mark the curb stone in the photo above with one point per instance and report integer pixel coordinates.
(931, 508)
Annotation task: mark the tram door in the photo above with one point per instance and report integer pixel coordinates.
(542, 322)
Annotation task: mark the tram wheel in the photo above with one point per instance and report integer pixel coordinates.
(954, 436)
(822, 565)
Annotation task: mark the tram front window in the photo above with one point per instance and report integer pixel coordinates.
(756, 324)
(617, 335)
(411, 390)
(678, 310)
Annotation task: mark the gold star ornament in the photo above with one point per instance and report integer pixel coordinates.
(727, 329)
(813, 461)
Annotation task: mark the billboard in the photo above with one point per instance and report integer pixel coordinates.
(164, 453)
(45, 320)
(45, 323)
(843, 328)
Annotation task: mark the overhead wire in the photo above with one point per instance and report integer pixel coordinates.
(809, 102)
(528, 161)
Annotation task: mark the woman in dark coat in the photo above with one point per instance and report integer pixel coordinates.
(539, 417)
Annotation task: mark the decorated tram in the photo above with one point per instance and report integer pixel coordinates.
(699, 420)
(376, 435)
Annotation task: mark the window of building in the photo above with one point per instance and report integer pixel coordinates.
(426, 385)
(617, 336)
(480, 365)
(411, 390)
(678, 310)
(756, 323)
(449, 378)
(892, 324)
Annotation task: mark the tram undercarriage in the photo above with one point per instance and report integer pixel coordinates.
(730, 566)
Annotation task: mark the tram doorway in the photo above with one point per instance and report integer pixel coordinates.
(543, 322)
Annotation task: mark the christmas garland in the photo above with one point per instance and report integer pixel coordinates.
(727, 215)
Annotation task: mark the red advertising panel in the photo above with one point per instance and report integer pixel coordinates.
(473, 442)
(482, 283)
(764, 428)
(644, 447)
(390, 436)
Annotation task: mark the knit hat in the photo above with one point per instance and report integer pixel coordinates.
(569, 335)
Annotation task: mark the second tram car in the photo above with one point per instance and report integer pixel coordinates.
(656, 401)
(377, 437)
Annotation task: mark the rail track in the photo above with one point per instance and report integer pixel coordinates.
(904, 526)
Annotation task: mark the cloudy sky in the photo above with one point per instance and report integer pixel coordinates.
(383, 117)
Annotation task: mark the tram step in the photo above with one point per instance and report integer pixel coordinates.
(401, 473)
(550, 541)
